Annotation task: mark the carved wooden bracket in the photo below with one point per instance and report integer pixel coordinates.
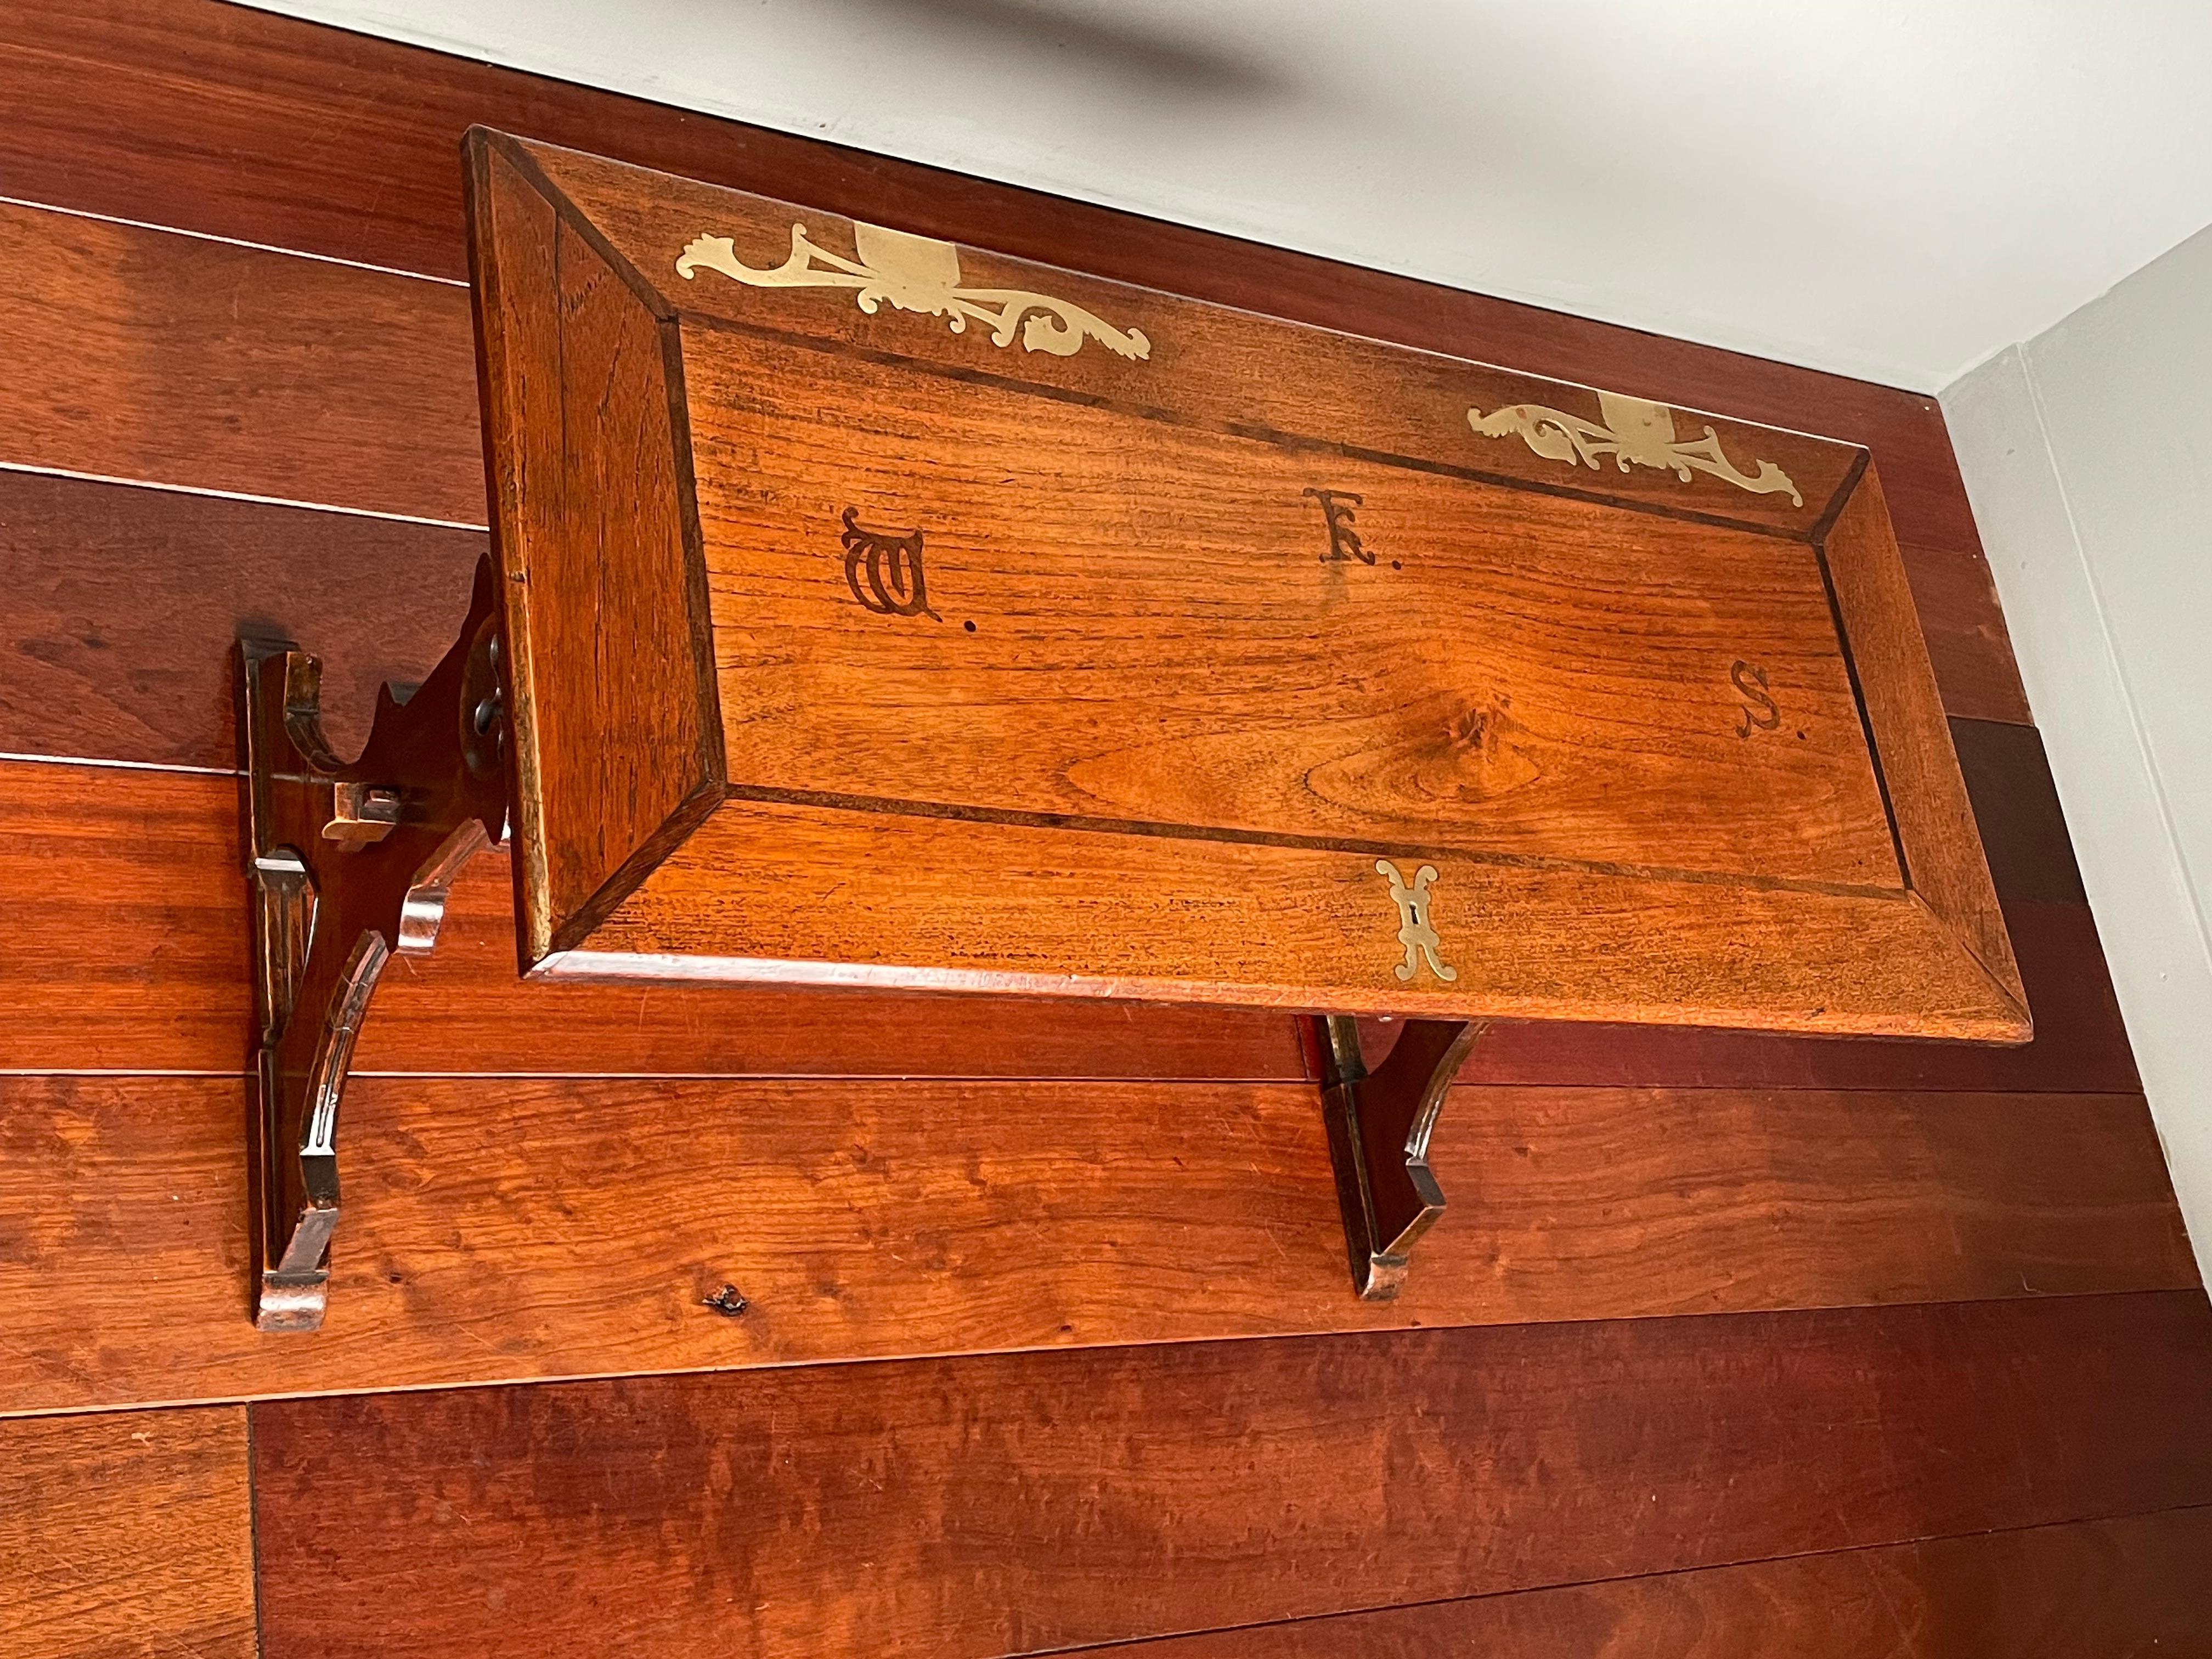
(347, 863)
(1379, 1125)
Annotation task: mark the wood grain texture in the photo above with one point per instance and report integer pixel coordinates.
(1145, 626)
(134, 959)
(1927, 796)
(875, 1220)
(1170, 745)
(2132, 1588)
(1026, 1503)
(127, 601)
(126, 1536)
(329, 385)
(153, 856)
(934, 902)
(617, 741)
(1966, 636)
(2081, 1042)
(152, 357)
(124, 605)
(2023, 827)
(189, 112)
(1198, 364)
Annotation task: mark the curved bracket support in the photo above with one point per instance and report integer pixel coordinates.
(347, 863)
(1379, 1125)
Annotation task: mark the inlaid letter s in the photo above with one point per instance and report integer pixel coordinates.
(1759, 713)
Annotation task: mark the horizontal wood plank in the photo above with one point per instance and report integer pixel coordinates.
(1967, 640)
(1021, 1504)
(127, 600)
(2023, 829)
(190, 112)
(156, 358)
(134, 959)
(126, 1536)
(2081, 1042)
(124, 605)
(504, 1231)
(2132, 1587)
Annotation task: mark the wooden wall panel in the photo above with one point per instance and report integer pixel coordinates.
(502, 1230)
(1967, 640)
(126, 1536)
(2117, 1590)
(137, 961)
(134, 958)
(147, 356)
(1081, 1491)
(309, 382)
(124, 605)
(2079, 1042)
(1026, 1503)
(190, 112)
(125, 602)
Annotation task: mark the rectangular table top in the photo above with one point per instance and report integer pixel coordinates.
(886, 612)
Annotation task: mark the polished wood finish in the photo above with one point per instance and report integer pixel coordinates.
(877, 1219)
(2132, 1587)
(611, 658)
(1283, 726)
(157, 856)
(126, 1536)
(80, 555)
(1816, 1178)
(349, 863)
(190, 112)
(1034, 1502)
(1957, 600)
(1576, 1204)
(124, 604)
(105, 324)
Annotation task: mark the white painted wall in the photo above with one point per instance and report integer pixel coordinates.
(2088, 451)
(1893, 189)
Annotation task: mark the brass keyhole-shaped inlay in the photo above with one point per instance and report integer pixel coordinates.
(1416, 932)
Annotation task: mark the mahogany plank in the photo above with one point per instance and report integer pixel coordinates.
(1966, 635)
(123, 605)
(2081, 1042)
(875, 1220)
(2132, 1588)
(190, 113)
(1020, 1503)
(133, 959)
(2016, 808)
(126, 1536)
(104, 577)
(124, 858)
(138, 354)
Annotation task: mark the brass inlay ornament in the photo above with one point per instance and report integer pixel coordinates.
(920, 274)
(1634, 433)
(1415, 931)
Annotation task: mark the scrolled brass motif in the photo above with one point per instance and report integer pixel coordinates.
(1633, 433)
(918, 274)
(1415, 930)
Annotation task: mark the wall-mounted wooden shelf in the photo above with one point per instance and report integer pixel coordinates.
(873, 611)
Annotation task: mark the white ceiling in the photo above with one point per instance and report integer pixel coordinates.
(1894, 189)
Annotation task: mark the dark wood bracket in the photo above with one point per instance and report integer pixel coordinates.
(1379, 1125)
(347, 864)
